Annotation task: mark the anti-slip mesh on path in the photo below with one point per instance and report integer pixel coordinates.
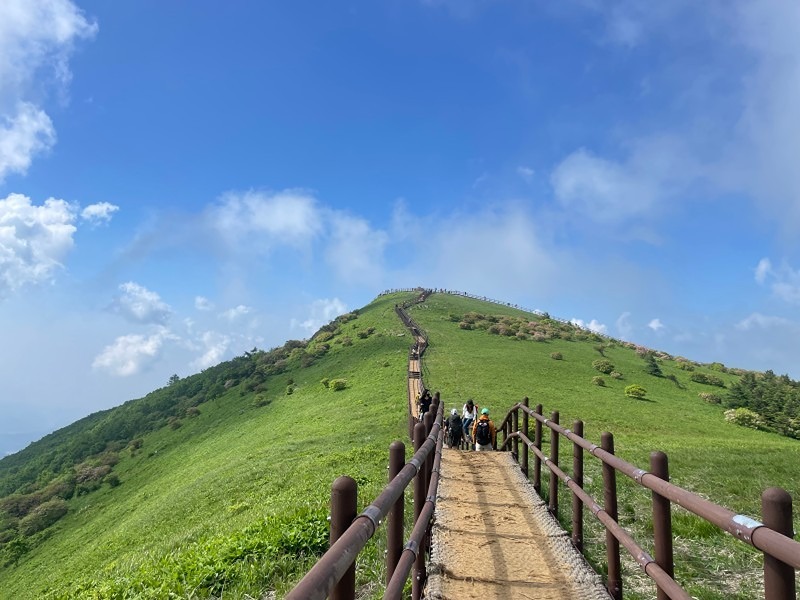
(493, 537)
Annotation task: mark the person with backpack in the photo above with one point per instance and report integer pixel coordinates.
(454, 429)
(484, 432)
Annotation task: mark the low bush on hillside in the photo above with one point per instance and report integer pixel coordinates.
(597, 380)
(43, 516)
(745, 417)
(556, 356)
(603, 365)
(710, 398)
(337, 384)
(615, 375)
(635, 391)
(707, 379)
(776, 399)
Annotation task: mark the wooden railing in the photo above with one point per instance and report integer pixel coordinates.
(773, 537)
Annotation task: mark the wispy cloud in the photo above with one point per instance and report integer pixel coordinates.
(202, 303)
(235, 313)
(320, 312)
(593, 325)
(214, 347)
(784, 281)
(656, 324)
(263, 220)
(99, 213)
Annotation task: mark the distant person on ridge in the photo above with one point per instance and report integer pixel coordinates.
(454, 429)
(484, 432)
(424, 403)
(469, 414)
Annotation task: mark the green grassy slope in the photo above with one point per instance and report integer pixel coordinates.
(234, 502)
(200, 509)
(724, 462)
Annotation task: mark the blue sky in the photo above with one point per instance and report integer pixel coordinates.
(181, 182)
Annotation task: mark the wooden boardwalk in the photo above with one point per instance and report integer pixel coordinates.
(494, 539)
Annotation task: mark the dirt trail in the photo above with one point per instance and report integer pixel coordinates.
(493, 537)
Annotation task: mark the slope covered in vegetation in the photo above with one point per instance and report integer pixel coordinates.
(217, 485)
(496, 355)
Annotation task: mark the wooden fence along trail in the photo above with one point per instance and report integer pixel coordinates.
(481, 530)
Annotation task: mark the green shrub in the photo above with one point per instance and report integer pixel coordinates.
(707, 379)
(615, 375)
(337, 384)
(603, 365)
(289, 390)
(112, 479)
(710, 398)
(635, 391)
(260, 400)
(325, 382)
(556, 356)
(465, 325)
(43, 516)
(597, 380)
(685, 366)
(745, 417)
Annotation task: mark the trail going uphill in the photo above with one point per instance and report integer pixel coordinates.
(493, 537)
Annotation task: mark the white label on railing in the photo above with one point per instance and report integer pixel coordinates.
(746, 521)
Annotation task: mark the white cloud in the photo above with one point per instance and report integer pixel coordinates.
(623, 325)
(656, 324)
(33, 240)
(202, 303)
(496, 251)
(609, 191)
(320, 312)
(140, 305)
(99, 213)
(23, 135)
(759, 321)
(785, 281)
(763, 269)
(130, 354)
(290, 217)
(355, 250)
(36, 40)
(525, 172)
(215, 345)
(234, 314)
(593, 325)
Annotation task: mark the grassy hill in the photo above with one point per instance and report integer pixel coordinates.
(217, 485)
(727, 463)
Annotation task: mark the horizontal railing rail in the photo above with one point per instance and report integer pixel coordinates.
(772, 537)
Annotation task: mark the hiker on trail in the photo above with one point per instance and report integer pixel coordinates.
(469, 414)
(454, 429)
(484, 432)
(424, 403)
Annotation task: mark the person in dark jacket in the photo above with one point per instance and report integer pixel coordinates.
(454, 429)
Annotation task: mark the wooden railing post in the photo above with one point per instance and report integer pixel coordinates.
(552, 478)
(525, 450)
(614, 583)
(420, 487)
(514, 429)
(776, 510)
(344, 501)
(577, 477)
(662, 521)
(537, 462)
(394, 524)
